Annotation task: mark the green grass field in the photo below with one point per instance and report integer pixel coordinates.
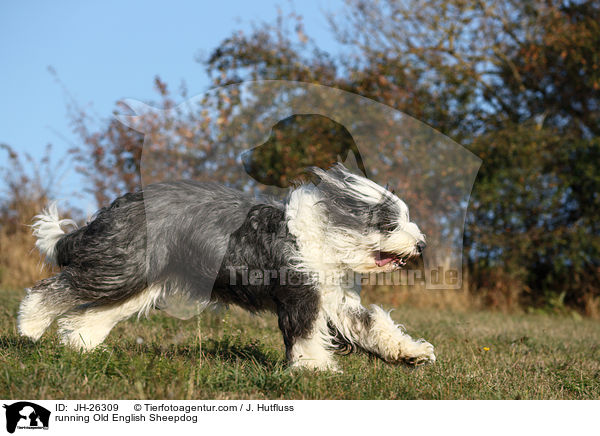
(233, 355)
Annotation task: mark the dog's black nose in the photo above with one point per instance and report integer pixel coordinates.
(421, 246)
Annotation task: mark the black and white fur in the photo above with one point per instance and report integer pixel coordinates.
(136, 252)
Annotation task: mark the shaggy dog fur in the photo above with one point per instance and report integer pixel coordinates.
(217, 244)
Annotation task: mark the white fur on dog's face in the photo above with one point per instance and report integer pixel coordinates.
(349, 222)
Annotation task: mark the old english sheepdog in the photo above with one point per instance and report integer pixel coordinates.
(136, 253)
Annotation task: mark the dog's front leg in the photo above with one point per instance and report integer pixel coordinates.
(306, 338)
(374, 330)
(388, 340)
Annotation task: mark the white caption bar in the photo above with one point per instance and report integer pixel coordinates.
(71, 417)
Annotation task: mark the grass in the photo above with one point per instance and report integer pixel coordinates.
(233, 355)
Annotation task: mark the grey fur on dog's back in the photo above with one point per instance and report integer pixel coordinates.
(150, 236)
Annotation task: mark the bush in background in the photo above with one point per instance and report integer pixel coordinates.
(27, 186)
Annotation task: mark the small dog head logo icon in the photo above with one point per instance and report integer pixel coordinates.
(26, 415)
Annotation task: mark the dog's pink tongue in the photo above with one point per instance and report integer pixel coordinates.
(383, 259)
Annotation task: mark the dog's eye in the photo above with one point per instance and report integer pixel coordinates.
(386, 226)
(382, 218)
(389, 227)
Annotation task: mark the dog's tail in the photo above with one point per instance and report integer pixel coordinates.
(48, 229)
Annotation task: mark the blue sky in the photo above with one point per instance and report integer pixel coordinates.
(109, 50)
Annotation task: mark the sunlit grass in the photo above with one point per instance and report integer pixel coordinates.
(234, 355)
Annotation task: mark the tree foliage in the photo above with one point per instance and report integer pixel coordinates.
(517, 82)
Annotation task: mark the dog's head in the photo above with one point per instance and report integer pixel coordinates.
(359, 225)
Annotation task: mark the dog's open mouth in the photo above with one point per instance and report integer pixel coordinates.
(382, 258)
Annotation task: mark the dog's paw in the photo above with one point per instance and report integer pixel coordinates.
(415, 353)
(420, 360)
(419, 353)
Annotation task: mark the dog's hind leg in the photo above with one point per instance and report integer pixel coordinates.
(46, 300)
(85, 328)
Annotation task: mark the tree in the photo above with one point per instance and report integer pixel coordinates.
(517, 82)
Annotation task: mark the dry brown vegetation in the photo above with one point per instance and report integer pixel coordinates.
(27, 187)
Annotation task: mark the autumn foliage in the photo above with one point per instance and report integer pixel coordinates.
(517, 83)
